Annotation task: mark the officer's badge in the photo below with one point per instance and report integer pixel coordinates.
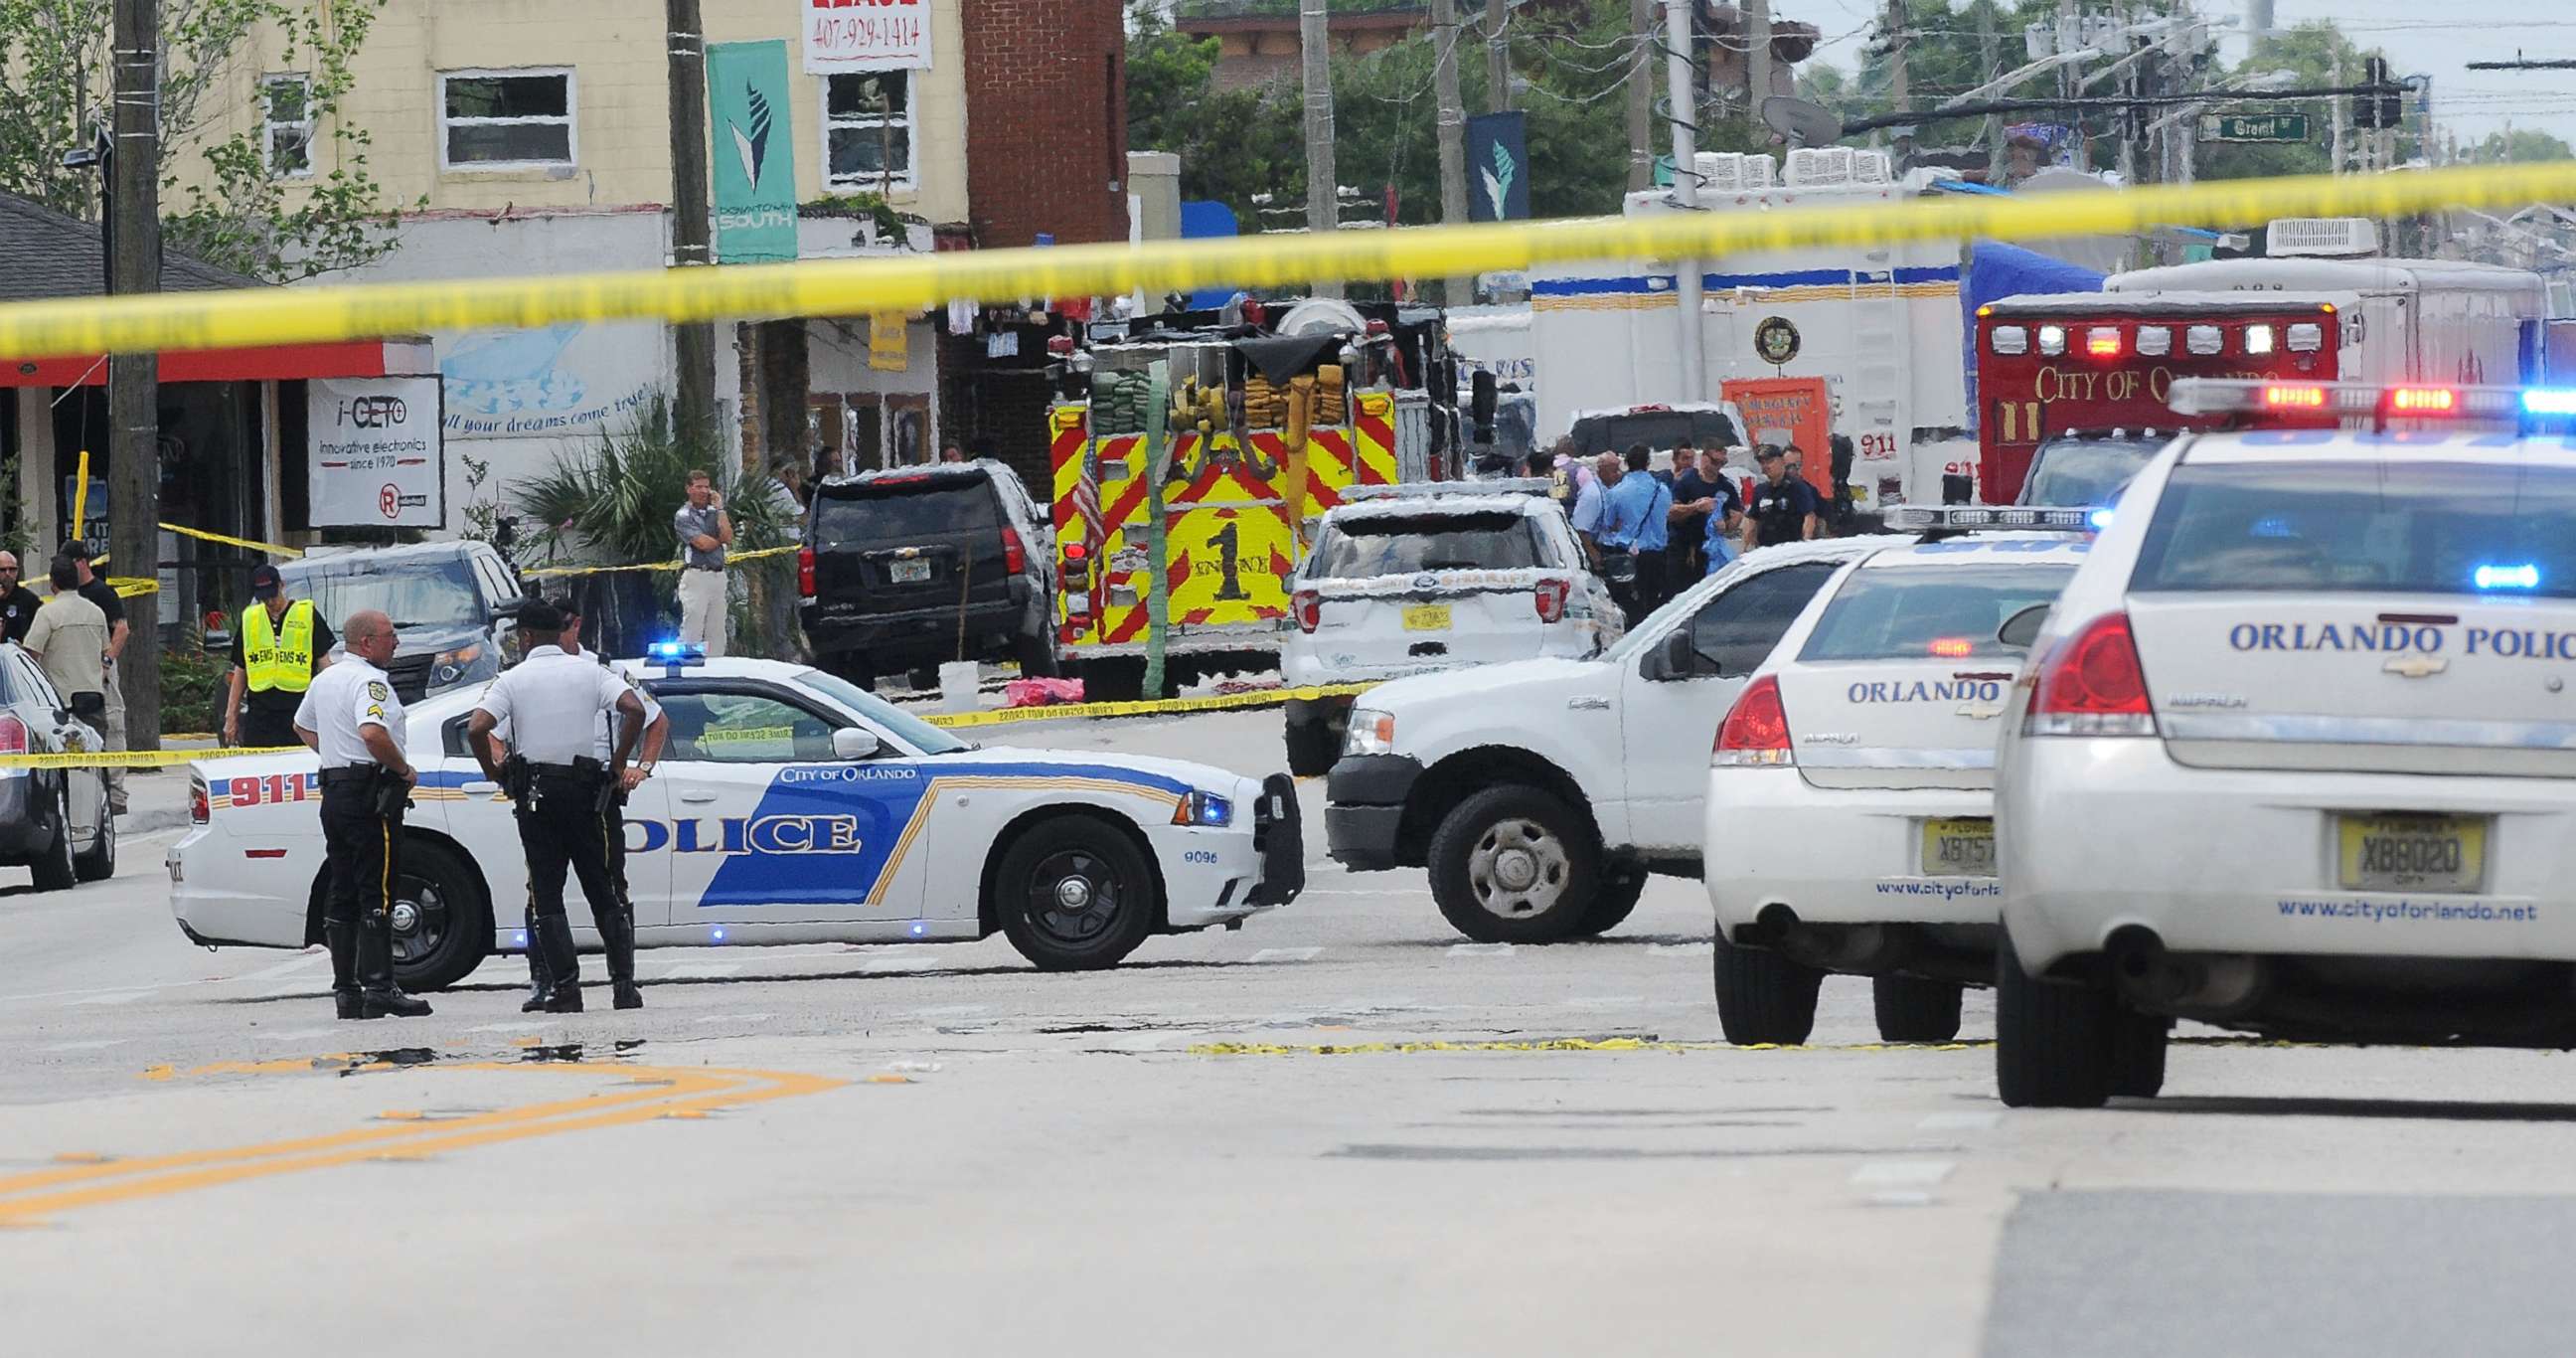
(377, 690)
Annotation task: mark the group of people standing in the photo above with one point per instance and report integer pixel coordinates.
(75, 636)
(1650, 533)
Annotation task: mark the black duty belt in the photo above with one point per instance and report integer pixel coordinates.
(353, 773)
(582, 770)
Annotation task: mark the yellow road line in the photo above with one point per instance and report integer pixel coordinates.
(687, 1093)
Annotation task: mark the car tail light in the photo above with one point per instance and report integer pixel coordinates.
(200, 809)
(1015, 558)
(805, 571)
(1310, 609)
(1551, 599)
(1756, 730)
(13, 735)
(2092, 685)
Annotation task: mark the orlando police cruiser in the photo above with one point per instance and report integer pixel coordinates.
(657, 730)
(563, 795)
(351, 717)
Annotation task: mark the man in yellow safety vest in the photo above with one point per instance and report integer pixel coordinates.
(278, 648)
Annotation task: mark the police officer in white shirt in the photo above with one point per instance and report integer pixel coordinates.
(657, 730)
(352, 718)
(563, 794)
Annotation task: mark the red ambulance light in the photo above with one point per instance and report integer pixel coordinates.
(2294, 398)
(2102, 342)
(1075, 551)
(2423, 400)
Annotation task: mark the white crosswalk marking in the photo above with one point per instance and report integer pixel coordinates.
(1287, 954)
(113, 997)
(1480, 949)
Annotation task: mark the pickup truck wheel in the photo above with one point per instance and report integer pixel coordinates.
(1914, 1009)
(1074, 894)
(1514, 864)
(2054, 1043)
(1764, 998)
(1612, 904)
(1313, 744)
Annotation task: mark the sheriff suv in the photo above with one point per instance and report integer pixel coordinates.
(1541, 793)
(905, 568)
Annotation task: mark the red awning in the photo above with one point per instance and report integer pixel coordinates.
(284, 362)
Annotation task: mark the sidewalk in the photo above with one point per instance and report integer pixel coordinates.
(157, 799)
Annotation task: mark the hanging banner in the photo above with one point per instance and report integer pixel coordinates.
(1498, 153)
(866, 35)
(378, 456)
(755, 156)
(889, 346)
(1785, 411)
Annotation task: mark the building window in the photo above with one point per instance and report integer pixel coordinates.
(504, 120)
(286, 115)
(867, 130)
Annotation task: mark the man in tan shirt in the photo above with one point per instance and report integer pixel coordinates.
(69, 638)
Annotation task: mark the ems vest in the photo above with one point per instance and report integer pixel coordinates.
(279, 661)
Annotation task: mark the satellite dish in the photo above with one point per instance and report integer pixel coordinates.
(1803, 122)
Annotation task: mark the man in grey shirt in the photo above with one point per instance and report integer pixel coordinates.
(705, 531)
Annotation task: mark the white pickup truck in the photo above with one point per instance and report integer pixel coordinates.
(1541, 793)
(1430, 576)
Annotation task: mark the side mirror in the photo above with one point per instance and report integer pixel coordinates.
(1676, 658)
(852, 743)
(62, 716)
(508, 608)
(2022, 628)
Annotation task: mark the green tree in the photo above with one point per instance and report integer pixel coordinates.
(55, 79)
(2517, 145)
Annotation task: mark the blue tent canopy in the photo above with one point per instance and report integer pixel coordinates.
(1996, 270)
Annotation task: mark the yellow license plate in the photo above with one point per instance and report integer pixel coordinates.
(1427, 618)
(1959, 848)
(2411, 853)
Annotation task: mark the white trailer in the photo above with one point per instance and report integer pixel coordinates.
(1880, 324)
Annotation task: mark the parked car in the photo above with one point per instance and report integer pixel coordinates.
(454, 606)
(905, 568)
(54, 821)
(1429, 577)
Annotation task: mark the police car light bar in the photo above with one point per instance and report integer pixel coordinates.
(2020, 518)
(1431, 490)
(676, 655)
(2368, 400)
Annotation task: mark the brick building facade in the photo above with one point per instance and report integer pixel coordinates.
(1046, 120)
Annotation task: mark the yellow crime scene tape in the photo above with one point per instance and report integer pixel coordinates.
(266, 316)
(730, 559)
(133, 759)
(272, 548)
(1148, 707)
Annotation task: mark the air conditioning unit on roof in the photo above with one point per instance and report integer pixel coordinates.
(1734, 171)
(1818, 167)
(2321, 238)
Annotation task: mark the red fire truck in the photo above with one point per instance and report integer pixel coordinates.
(2072, 364)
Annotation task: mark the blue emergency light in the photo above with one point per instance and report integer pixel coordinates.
(2522, 575)
(675, 656)
(2099, 518)
(2549, 401)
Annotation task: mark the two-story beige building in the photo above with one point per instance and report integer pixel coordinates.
(529, 137)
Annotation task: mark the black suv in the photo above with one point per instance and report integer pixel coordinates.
(905, 568)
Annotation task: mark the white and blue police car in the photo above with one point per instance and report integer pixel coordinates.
(1850, 821)
(788, 807)
(2296, 753)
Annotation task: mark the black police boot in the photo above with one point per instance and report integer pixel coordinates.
(563, 965)
(343, 939)
(617, 932)
(378, 996)
(540, 983)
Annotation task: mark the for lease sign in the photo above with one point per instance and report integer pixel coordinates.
(866, 35)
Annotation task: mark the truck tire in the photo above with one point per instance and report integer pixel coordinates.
(1074, 894)
(1314, 743)
(1036, 656)
(1114, 679)
(1914, 1009)
(2053, 1042)
(54, 869)
(98, 862)
(2138, 1053)
(1612, 904)
(1514, 864)
(1764, 998)
(442, 926)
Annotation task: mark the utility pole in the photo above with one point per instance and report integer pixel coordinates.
(1757, 57)
(2069, 26)
(1498, 57)
(1990, 65)
(1323, 211)
(695, 341)
(1453, 134)
(134, 380)
(1897, 86)
(2334, 147)
(1642, 23)
(1680, 70)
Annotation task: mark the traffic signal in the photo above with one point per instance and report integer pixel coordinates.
(2378, 110)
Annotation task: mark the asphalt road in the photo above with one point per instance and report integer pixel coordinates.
(1338, 1130)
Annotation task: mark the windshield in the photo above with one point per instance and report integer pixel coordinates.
(2073, 473)
(2364, 527)
(902, 509)
(902, 725)
(1660, 430)
(1930, 612)
(1390, 544)
(414, 593)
